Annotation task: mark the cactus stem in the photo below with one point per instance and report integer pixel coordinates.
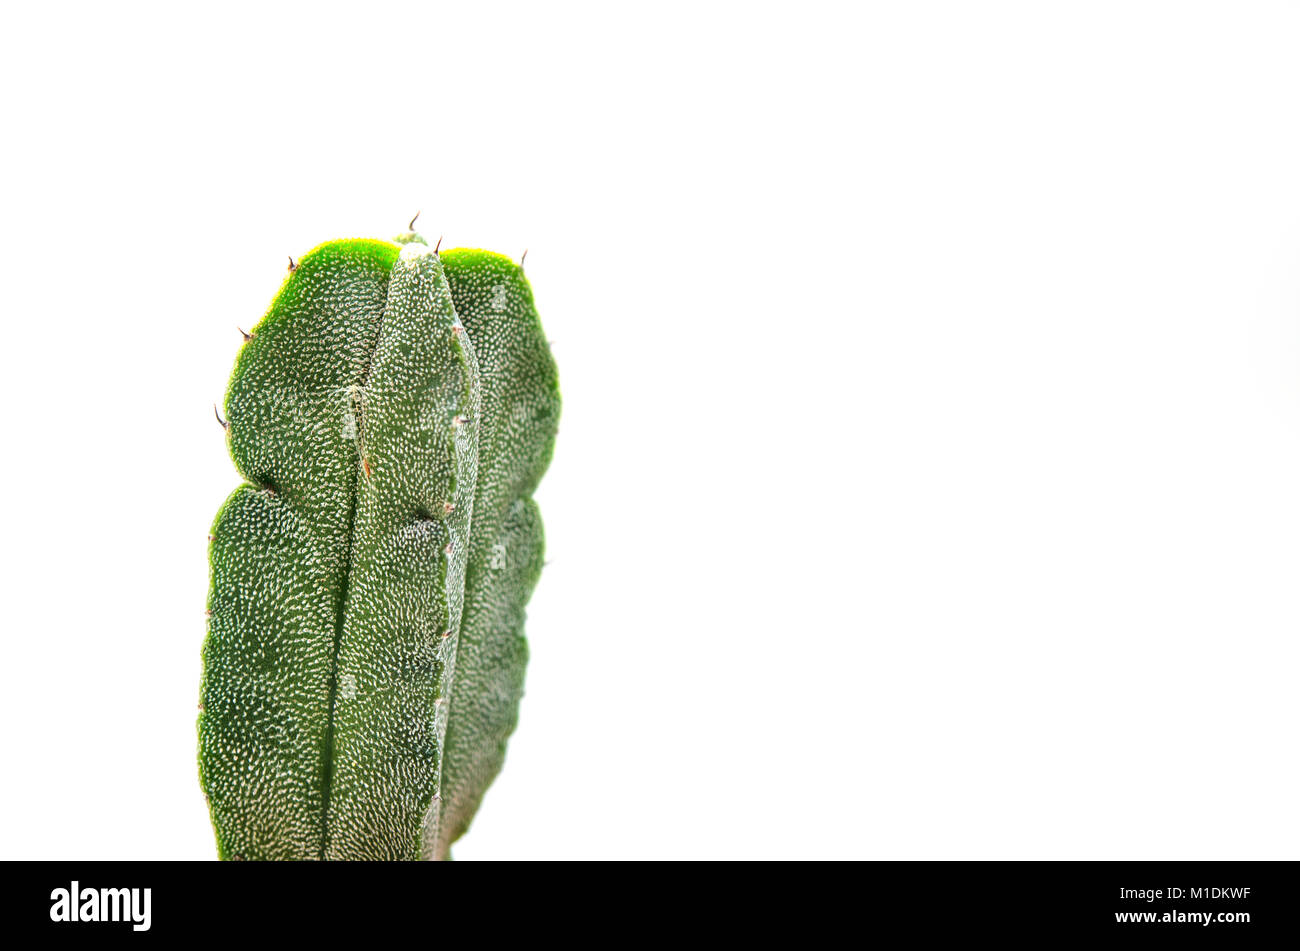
(333, 581)
(411, 226)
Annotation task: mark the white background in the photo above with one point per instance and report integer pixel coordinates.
(928, 484)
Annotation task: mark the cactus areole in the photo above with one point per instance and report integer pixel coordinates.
(392, 415)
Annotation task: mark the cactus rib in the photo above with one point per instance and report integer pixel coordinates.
(521, 408)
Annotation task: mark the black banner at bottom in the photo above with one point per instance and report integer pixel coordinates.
(1116, 901)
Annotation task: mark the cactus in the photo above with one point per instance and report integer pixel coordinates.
(392, 414)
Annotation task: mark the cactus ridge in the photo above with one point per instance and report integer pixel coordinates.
(352, 586)
(521, 408)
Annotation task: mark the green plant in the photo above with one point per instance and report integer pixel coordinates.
(392, 414)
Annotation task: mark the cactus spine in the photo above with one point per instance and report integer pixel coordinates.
(392, 414)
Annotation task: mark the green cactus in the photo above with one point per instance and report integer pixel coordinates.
(393, 414)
